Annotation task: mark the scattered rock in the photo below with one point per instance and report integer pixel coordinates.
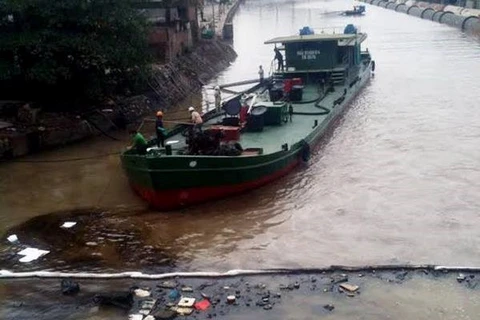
(349, 287)
(260, 286)
(261, 303)
(187, 289)
(122, 300)
(339, 278)
(267, 307)
(69, 287)
(91, 244)
(135, 317)
(165, 314)
(144, 311)
(329, 307)
(148, 304)
(231, 299)
(471, 284)
(168, 285)
(401, 275)
(461, 277)
(204, 285)
(296, 285)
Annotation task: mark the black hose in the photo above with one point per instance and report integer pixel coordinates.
(322, 113)
(317, 105)
(101, 131)
(66, 160)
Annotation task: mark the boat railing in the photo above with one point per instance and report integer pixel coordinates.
(332, 30)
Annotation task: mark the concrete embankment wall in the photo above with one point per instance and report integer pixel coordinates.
(466, 19)
(25, 130)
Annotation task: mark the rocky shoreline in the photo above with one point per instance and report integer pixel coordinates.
(25, 129)
(367, 294)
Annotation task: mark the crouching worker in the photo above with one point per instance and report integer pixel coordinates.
(139, 144)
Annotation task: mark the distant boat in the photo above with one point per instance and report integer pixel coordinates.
(264, 133)
(357, 10)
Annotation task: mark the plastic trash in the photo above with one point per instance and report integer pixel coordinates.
(12, 238)
(202, 305)
(173, 295)
(31, 254)
(142, 293)
(186, 302)
(68, 224)
(184, 311)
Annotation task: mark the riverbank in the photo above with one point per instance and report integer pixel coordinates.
(363, 294)
(25, 129)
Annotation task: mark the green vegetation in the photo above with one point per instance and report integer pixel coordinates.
(71, 50)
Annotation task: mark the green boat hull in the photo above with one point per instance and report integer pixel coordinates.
(175, 180)
(171, 182)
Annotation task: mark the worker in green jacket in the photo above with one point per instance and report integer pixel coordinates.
(138, 142)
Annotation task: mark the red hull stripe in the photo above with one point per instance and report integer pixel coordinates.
(173, 199)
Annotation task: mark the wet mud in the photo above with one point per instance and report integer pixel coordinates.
(101, 240)
(368, 294)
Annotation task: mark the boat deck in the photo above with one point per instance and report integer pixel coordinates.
(273, 137)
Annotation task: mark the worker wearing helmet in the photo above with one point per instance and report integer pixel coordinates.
(160, 130)
(196, 118)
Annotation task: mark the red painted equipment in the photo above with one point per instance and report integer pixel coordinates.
(229, 133)
(287, 85)
(297, 82)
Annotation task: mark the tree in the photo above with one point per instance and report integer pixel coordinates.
(66, 50)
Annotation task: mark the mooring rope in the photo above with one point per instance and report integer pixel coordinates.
(66, 159)
(6, 274)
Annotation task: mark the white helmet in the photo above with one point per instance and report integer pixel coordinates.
(191, 109)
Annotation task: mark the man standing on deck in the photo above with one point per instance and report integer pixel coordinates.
(279, 58)
(261, 74)
(160, 130)
(218, 98)
(196, 118)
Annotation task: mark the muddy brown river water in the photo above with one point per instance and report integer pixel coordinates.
(397, 181)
